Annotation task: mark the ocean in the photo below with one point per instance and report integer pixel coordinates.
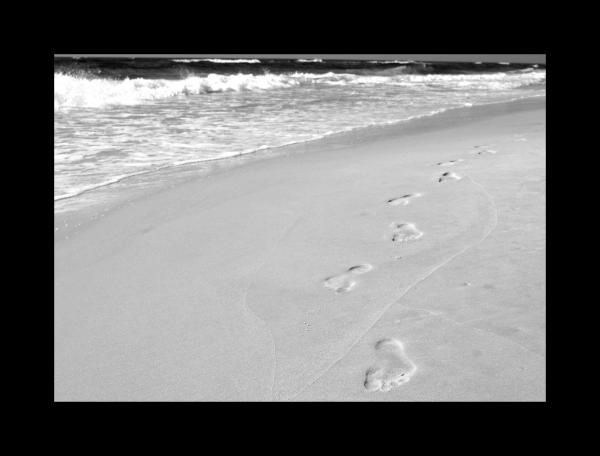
(123, 117)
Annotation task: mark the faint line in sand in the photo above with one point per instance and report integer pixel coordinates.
(386, 308)
(463, 323)
(285, 232)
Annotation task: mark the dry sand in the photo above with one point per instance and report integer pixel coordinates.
(406, 267)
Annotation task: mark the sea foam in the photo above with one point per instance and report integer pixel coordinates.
(85, 91)
(217, 60)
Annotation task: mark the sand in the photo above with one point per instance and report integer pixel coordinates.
(402, 266)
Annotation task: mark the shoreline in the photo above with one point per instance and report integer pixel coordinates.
(322, 273)
(167, 175)
(273, 149)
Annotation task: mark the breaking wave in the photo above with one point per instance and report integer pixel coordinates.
(86, 90)
(217, 60)
(77, 91)
(387, 62)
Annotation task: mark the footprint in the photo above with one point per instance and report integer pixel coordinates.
(341, 283)
(393, 368)
(482, 148)
(486, 151)
(344, 282)
(403, 200)
(404, 232)
(449, 176)
(450, 163)
(360, 269)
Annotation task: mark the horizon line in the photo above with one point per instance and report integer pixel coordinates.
(484, 58)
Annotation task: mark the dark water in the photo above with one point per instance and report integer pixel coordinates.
(122, 68)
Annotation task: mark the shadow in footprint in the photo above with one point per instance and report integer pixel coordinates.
(403, 200)
(360, 269)
(449, 176)
(449, 163)
(393, 368)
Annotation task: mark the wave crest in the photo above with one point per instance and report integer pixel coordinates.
(85, 90)
(77, 91)
(217, 60)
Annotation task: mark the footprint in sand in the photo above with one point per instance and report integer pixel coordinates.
(404, 232)
(450, 162)
(345, 282)
(403, 200)
(393, 368)
(449, 176)
(483, 149)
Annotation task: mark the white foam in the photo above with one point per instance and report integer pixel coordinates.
(497, 81)
(82, 189)
(400, 62)
(79, 91)
(73, 91)
(231, 60)
(217, 60)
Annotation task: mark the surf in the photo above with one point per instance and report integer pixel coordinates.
(87, 91)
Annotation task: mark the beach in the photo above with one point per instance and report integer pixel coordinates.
(407, 264)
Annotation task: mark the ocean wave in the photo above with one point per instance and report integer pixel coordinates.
(217, 60)
(388, 62)
(508, 80)
(84, 90)
(76, 91)
(309, 60)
